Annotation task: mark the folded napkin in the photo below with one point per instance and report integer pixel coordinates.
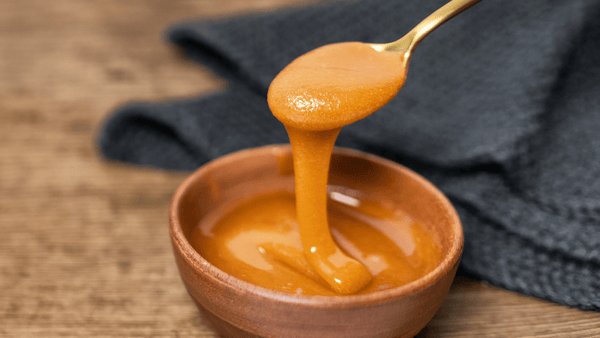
(500, 110)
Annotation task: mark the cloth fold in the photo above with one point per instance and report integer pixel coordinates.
(500, 110)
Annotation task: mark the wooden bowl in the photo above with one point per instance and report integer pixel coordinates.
(236, 308)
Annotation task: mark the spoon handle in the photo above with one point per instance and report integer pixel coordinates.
(409, 42)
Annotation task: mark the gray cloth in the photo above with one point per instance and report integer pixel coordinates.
(500, 110)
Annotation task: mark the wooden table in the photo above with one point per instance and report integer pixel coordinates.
(84, 245)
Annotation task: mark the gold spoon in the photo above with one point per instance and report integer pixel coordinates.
(407, 44)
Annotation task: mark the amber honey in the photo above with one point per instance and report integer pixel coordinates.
(258, 241)
(305, 243)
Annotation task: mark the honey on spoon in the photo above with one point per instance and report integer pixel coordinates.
(314, 97)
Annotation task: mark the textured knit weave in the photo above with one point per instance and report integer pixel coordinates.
(500, 110)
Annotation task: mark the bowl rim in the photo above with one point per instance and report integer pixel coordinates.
(241, 287)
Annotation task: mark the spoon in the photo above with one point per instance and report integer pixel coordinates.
(407, 44)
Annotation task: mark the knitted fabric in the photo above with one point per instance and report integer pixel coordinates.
(500, 110)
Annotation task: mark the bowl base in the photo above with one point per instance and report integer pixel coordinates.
(221, 327)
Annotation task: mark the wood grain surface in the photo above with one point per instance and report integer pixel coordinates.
(84, 245)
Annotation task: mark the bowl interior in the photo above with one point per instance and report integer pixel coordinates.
(262, 170)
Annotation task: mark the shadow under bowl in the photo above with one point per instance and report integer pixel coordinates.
(236, 308)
